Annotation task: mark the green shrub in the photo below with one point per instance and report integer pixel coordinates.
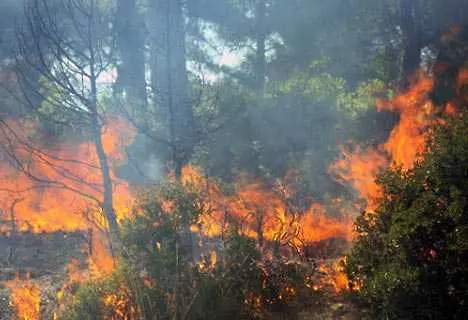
(411, 255)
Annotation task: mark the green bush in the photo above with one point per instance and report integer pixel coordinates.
(107, 298)
(158, 276)
(411, 254)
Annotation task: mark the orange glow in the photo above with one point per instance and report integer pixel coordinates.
(462, 78)
(101, 262)
(61, 185)
(405, 145)
(462, 86)
(360, 168)
(75, 275)
(316, 226)
(407, 140)
(120, 305)
(59, 189)
(75, 272)
(334, 276)
(265, 213)
(25, 297)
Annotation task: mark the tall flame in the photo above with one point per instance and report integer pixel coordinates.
(407, 140)
(59, 185)
(360, 168)
(406, 143)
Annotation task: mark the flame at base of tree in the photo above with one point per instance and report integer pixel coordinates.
(333, 276)
(49, 188)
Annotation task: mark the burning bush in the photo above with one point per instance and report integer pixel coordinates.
(107, 298)
(168, 268)
(246, 284)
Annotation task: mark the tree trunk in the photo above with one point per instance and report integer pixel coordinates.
(260, 38)
(169, 83)
(169, 79)
(411, 15)
(107, 201)
(131, 46)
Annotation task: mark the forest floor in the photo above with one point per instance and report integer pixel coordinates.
(39, 259)
(336, 308)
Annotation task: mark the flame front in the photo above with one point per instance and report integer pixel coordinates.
(266, 214)
(58, 184)
(59, 188)
(359, 168)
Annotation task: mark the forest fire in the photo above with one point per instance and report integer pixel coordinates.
(406, 143)
(334, 276)
(266, 214)
(407, 140)
(233, 159)
(360, 168)
(258, 212)
(59, 191)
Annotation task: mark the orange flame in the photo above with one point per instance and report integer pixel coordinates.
(120, 305)
(405, 145)
(334, 276)
(25, 297)
(67, 186)
(408, 139)
(264, 214)
(360, 168)
(60, 186)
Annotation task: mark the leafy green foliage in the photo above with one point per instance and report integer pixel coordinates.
(106, 298)
(244, 283)
(410, 257)
(154, 243)
(160, 276)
